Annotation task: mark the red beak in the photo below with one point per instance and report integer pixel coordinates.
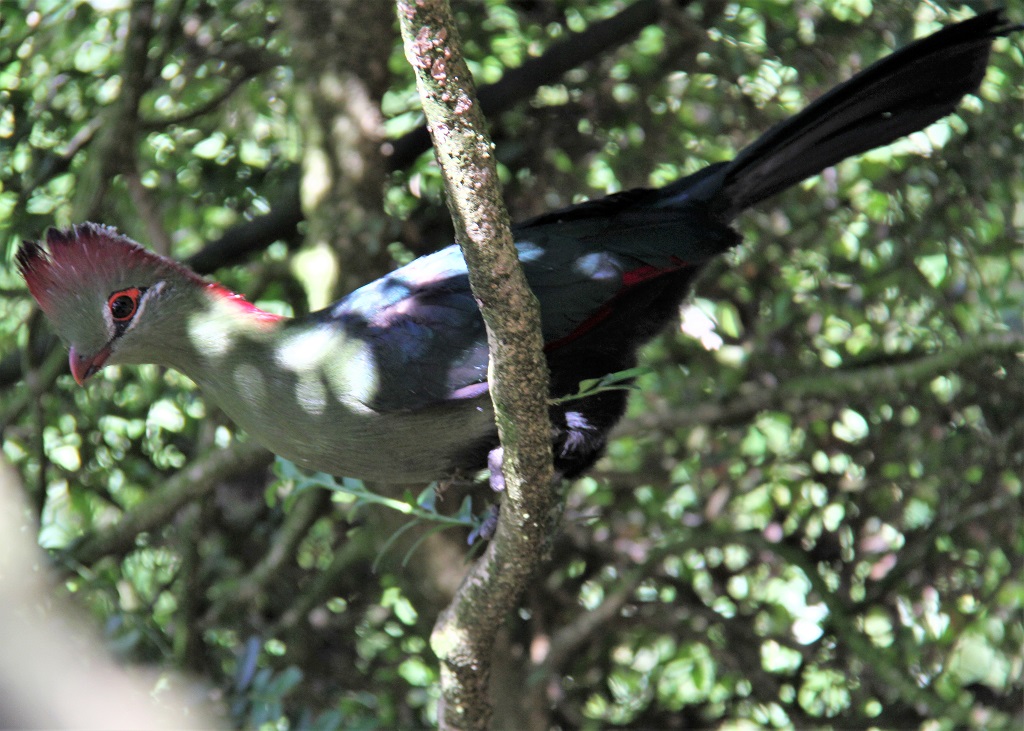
(83, 366)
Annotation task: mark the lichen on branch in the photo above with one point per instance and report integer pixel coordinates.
(464, 634)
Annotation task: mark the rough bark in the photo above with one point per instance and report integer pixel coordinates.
(464, 634)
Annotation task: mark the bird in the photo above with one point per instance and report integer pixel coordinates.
(389, 383)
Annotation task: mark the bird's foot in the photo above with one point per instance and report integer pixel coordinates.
(488, 525)
(494, 461)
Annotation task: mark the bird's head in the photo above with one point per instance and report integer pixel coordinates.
(107, 297)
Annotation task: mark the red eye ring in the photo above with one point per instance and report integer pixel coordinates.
(124, 303)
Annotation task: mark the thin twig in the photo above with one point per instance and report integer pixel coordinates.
(187, 485)
(831, 385)
(204, 108)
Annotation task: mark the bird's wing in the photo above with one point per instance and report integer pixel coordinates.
(423, 324)
(424, 330)
(581, 262)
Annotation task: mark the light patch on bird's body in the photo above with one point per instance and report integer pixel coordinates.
(306, 350)
(224, 319)
(251, 384)
(598, 266)
(324, 355)
(211, 334)
(353, 377)
(310, 393)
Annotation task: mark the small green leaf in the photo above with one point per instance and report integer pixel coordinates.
(728, 319)
(349, 483)
(933, 267)
(428, 498)
(618, 381)
(626, 375)
(210, 147)
(465, 514)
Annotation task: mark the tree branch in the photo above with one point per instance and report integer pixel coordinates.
(202, 109)
(831, 385)
(516, 85)
(307, 509)
(116, 150)
(464, 634)
(241, 241)
(187, 485)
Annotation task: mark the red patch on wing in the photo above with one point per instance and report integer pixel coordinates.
(601, 314)
(634, 276)
(630, 279)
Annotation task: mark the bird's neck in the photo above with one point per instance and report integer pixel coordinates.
(205, 331)
(269, 372)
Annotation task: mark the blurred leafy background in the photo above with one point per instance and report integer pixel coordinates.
(812, 514)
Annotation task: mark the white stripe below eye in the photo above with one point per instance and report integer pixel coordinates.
(108, 319)
(150, 293)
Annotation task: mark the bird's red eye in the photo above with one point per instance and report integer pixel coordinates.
(123, 304)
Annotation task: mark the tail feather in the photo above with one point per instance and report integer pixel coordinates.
(898, 95)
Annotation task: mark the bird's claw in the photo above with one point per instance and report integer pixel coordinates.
(494, 464)
(488, 525)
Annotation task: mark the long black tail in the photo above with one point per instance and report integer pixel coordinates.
(900, 94)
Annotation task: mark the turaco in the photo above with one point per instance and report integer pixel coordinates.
(390, 382)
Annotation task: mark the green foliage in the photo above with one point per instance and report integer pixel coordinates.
(812, 513)
(618, 381)
(422, 508)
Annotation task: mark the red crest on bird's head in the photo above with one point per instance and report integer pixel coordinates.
(83, 256)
